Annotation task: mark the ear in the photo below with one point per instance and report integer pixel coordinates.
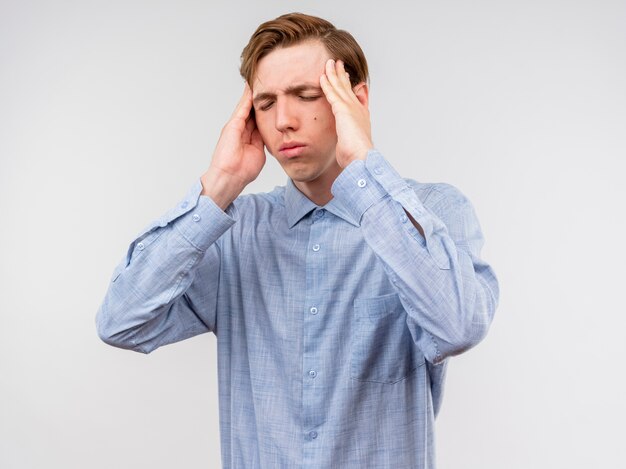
(361, 90)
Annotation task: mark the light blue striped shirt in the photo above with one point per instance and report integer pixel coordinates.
(333, 323)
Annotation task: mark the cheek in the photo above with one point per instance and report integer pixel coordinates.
(323, 118)
(324, 125)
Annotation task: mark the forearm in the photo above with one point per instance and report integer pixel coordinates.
(431, 252)
(144, 306)
(449, 295)
(222, 187)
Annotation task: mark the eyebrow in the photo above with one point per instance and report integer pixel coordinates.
(291, 90)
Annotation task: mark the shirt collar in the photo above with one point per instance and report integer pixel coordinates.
(298, 205)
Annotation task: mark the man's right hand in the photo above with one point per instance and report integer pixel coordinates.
(238, 158)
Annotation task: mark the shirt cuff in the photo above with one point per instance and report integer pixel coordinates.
(356, 189)
(364, 182)
(400, 190)
(198, 219)
(385, 174)
(397, 187)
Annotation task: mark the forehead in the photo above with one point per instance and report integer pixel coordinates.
(289, 66)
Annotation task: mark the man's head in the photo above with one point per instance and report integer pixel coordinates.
(294, 28)
(283, 63)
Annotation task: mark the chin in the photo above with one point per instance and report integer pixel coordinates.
(303, 174)
(301, 177)
(298, 170)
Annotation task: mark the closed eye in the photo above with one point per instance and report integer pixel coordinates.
(267, 105)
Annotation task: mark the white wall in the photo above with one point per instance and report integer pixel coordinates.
(110, 109)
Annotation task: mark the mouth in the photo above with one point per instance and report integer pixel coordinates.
(292, 149)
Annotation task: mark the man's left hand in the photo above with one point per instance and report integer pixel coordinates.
(352, 117)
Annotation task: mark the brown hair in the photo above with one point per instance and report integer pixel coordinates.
(293, 28)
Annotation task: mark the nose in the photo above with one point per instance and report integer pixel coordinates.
(286, 115)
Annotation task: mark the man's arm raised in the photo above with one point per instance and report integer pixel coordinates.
(238, 157)
(449, 293)
(165, 289)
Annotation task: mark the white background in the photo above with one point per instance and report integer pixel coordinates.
(109, 111)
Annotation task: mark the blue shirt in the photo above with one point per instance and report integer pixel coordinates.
(333, 323)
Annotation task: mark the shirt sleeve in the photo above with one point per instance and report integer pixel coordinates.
(165, 289)
(449, 293)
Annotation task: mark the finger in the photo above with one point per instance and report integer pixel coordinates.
(242, 111)
(344, 77)
(331, 95)
(334, 80)
(331, 75)
(345, 81)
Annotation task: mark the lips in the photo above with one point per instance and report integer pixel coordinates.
(291, 149)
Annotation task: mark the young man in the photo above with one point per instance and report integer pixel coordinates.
(335, 300)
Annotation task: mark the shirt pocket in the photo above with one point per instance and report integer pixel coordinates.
(383, 350)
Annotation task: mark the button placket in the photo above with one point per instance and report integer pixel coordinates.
(313, 382)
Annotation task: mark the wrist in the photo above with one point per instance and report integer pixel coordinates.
(222, 187)
(360, 154)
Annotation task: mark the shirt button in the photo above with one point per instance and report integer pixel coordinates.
(403, 218)
(195, 217)
(361, 183)
(313, 435)
(312, 373)
(316, 247)
(378, 171)
(184, 204)
(140, 246)
(313, 310)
